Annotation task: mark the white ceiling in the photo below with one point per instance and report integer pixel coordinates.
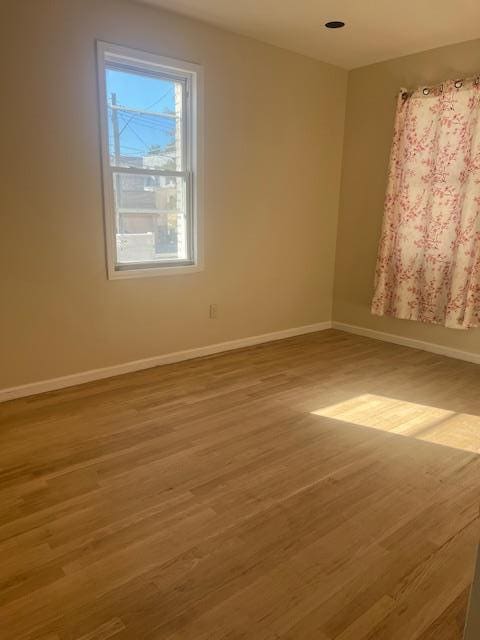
(375, 29)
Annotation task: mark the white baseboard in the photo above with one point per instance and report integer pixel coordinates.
(42, 386)
(409, 342)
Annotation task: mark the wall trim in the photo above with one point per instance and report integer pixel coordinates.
(52, 384)
(432, 347)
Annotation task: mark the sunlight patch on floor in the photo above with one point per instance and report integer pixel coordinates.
(440, 426)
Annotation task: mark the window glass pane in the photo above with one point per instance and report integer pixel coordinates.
(150, 218)
(144, 120)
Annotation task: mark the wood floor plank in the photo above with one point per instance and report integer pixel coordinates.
(321, 487)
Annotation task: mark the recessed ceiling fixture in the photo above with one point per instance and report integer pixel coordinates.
(335, 24)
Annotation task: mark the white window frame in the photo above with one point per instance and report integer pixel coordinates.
(192, 75)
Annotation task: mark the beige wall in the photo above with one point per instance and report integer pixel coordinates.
(273, 144)
(371, 99)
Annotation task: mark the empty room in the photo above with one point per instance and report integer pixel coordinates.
(240, 320)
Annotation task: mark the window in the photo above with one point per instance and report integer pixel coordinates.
(150, 143)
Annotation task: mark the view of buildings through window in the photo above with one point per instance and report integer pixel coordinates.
(145, 140)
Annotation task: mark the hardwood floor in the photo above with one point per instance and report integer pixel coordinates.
(323, 487)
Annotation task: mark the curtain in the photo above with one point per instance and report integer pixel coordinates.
(428, 266)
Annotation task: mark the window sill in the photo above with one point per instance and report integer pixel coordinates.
(151, 272)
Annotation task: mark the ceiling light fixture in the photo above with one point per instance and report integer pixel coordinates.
(335, 24)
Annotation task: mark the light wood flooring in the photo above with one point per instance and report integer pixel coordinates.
(324, 487)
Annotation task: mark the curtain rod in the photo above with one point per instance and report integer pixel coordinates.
(458, 84)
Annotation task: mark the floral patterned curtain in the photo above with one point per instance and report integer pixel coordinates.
(428, 266)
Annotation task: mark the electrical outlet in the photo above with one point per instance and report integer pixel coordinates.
(213, 311)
